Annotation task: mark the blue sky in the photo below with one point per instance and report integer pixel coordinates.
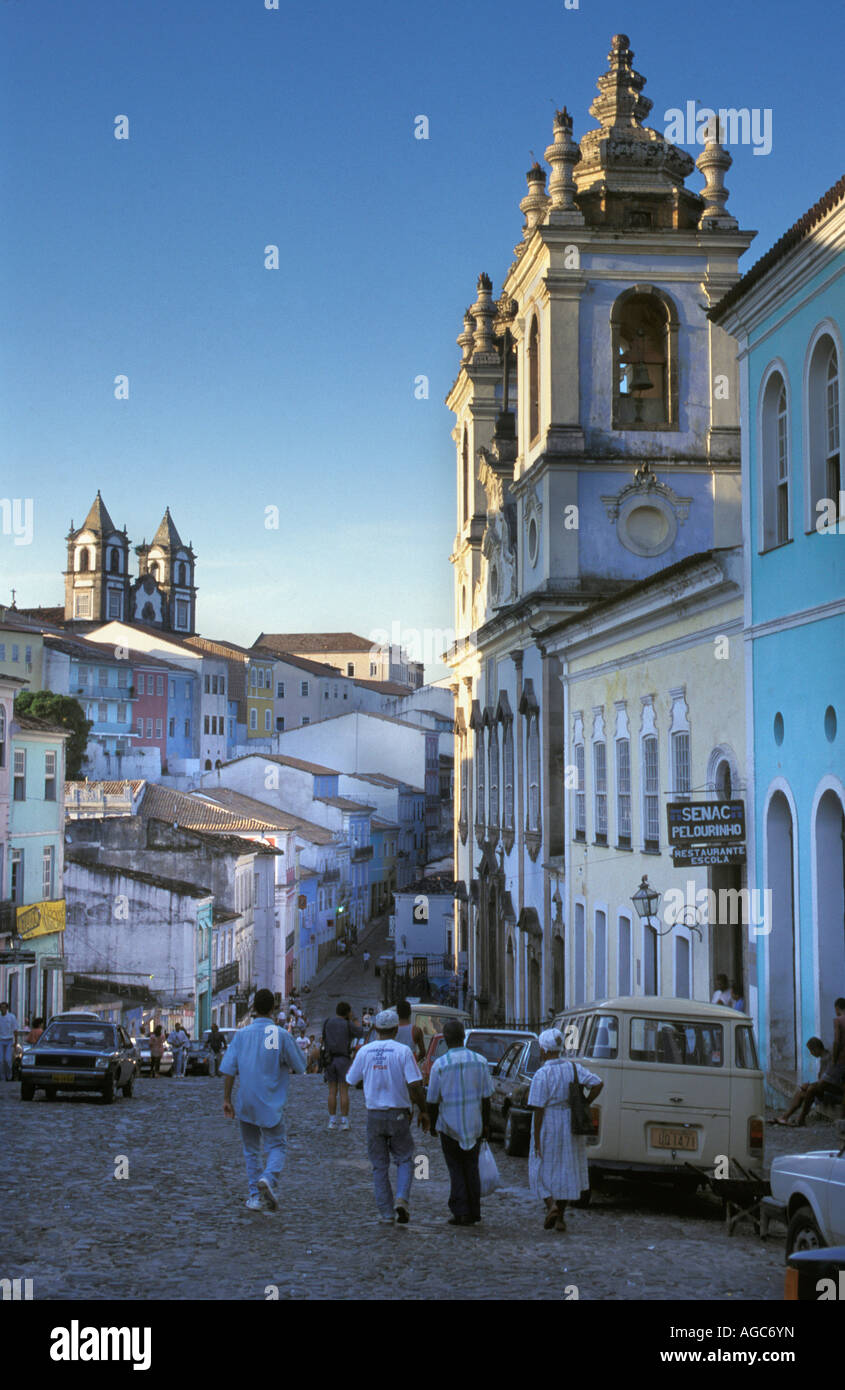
(294, 388)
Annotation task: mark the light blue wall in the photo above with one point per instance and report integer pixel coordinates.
(797, 671)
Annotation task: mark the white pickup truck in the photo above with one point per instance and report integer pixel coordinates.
(809, 1189)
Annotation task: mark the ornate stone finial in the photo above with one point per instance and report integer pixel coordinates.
(536, 202)
(465, 339)
(484, 311)
(714, 162)
(563, 154)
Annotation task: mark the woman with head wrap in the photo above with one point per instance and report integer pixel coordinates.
(558, 1164)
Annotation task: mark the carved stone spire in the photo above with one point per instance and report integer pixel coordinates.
(484, 312)
(465, 340)
(536, 202)
(620, 103)
(714, 162)
(563, 154)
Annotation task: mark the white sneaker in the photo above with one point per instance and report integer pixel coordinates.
(344, 1122)
(267, 1194)
(332, 1121)
(254, 1204)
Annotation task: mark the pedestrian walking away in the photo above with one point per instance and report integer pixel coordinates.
(366, 959)
(178, 1041)
(156, 1050)
(217, 1044)
(8, 1033)
(392, 1086)
(558, 1166)
(262, 1056)
(338, 1035)
(412, 1036)
(458, 1102)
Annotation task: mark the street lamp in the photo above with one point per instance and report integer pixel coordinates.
(645, 900)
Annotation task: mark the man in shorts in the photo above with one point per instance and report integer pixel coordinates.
(338, 1035)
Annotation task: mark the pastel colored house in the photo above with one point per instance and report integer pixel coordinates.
(788, 317)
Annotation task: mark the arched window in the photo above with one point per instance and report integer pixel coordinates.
(465, 476)
(463, 809)
(114, 560)
(507, 761)
(533, 760)
(644, 326)
(825, 480)
(154, 569)
(724, 781)
(479, 780)
(774, 464)
(534, 381)
(493, 782)
(83, 560)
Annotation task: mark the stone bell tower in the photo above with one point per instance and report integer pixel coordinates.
(97, 574)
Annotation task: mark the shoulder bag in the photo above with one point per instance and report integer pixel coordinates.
(582, 1122)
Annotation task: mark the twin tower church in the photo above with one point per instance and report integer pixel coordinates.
(98, 585)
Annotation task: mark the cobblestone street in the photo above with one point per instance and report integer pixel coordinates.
(177, 1228)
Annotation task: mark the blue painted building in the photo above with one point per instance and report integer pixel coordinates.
(788, 316)
(181, 733)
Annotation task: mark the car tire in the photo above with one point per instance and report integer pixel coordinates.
(515, 1144)
(803, 1233)
(128, 1089)
(27, 1090)
(51, 1092)
(108, 1091)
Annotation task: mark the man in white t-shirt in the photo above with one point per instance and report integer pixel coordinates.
(9, 1029)
(392, 1085)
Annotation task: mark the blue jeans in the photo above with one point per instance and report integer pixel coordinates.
(7, 1050)
(389, 1133)
(180, 1060)
(275, 1149)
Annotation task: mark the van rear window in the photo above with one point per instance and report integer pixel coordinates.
(678, 1042)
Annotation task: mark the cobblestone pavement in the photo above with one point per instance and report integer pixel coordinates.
(177, 1228)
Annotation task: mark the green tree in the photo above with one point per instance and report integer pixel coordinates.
(66, 712)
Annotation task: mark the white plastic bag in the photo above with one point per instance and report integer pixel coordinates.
(487, 1171)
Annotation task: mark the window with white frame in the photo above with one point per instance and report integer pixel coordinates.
(623, 792)
(681, 779)
(19, 792)
(580, 981)
(774, 464)
(49, 776)
(48, 873)
(16, 883)
(580, 793)
(304, 687)
(651, 792)
(825, 472)
(600, 790)
(268, 715)
(253, 718)
(280, 690)
(82, 605)
(683, 964)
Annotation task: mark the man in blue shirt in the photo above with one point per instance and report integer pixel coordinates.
(263, 1055)
(458, 1099)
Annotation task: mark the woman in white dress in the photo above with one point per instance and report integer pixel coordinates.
(558, 1164)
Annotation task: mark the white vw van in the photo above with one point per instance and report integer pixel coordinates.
(682, 1083)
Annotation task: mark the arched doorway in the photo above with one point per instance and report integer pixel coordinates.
(830, 905)
(780, 883)
(533, 988)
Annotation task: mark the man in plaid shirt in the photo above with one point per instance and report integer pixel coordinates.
(458, 1102)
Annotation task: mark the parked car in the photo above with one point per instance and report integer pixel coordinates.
(198, 1057)
(144, 1067)
(228, 1034)
(808, 1191)
(493, 1043)
(509, 1113)
(682, 1086)
(80, 1054)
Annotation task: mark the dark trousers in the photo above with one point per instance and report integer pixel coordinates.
(465, 1195)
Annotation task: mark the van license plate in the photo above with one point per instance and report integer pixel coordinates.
(59, 1076)
(674, 1139)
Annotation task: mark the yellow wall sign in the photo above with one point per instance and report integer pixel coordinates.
(41, 919)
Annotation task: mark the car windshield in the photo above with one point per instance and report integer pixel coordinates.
(493, 1046)
(79, 1035)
